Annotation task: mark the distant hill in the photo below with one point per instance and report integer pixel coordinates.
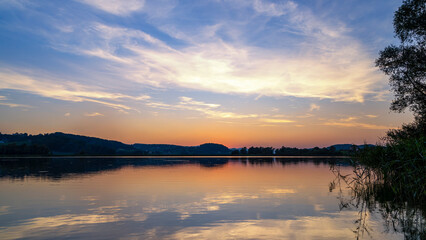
(69, 144)
(347, 147)
(165, 149)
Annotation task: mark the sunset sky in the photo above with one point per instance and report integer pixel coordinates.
(236, 72)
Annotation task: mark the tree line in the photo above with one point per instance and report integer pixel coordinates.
(400, 160)
(289, 151)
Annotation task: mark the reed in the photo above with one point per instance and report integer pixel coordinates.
(400, 164)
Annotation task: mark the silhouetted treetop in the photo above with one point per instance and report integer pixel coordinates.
(410, 21)
(406, 64)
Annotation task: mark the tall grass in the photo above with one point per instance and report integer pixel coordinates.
(368, 193)
(400, 163)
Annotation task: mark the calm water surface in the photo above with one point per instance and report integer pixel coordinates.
(179, 198)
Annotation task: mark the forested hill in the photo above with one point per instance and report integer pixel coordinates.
(164, 149)
(70, 144)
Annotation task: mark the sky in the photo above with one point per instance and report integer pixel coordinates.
(236, 72)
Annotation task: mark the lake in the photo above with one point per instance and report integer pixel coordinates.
(188, 198)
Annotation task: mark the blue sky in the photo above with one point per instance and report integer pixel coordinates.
(252, 72)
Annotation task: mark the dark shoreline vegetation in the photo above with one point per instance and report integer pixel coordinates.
(62, 144)
(399, 162)
(393, 173)
(368, 193)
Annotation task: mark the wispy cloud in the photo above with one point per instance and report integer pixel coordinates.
(352, 123)
(12, 105)
(15, 105)
(328, 63)
(348, 119)
(314, 107)
(273, 120)
(95, 114)
(46, 86)
(117, 7)
(207, 60)
(208, 109)
(274, 9)
(190, 101)
(358, 125)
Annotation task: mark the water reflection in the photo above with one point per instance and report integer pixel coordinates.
(69, 167)
(368, 194)
(177, 198)
(56, 168)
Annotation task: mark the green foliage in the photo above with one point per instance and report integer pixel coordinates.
(265, 151)
(23, 149)
(243, 151)
(406, 64)
(316, 151)
(167, 149)
(70, 144)
(401, 165)
(288, 151)
(63, 144)
(369, 193)
(410, 21)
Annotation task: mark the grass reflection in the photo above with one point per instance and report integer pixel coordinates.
(364, 190)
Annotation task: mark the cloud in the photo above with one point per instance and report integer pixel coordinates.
(232, 115)
(190, 101)
(332, 65)
(352, 123)
(48, 86)
(273, 9)
(326, 63)
(208, 109)
(117, 7)
(371, 116)
(348, 122)
(12, 105)
(67, 114)
(348, 119)
(95, 114)
(272, 120)
(15, 105)
(20, 4)
(314, 107)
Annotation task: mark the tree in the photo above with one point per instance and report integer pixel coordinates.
(406, 64)
(235, 152)
(243, 151)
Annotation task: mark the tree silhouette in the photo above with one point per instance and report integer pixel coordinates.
(406, 64)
